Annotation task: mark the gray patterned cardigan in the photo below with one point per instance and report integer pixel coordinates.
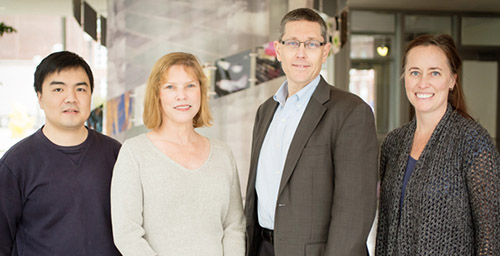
(452, 201)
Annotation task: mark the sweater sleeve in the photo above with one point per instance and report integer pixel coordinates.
(10, 209)
(127, 206)
(234, 223)
(483, 181)
(383, 159)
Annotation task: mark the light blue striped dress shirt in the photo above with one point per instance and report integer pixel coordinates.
(275, 148)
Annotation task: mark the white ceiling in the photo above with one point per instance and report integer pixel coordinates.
(64, 7)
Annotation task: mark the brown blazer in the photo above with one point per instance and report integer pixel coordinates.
(327, 196)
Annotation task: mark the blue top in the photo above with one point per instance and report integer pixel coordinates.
(275, 148)
(55, 200)
(409, 170)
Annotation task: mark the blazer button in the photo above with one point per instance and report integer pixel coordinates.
(281, 205)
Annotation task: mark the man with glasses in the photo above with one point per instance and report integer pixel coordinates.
(313, 169)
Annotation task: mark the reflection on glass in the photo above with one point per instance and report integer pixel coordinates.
(478, 31)
(362, 47)
(370, 46)
(374, 22)
(416, 25)
(480, 85)
(362, 83)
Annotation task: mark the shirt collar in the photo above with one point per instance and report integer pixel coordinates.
(303, 94)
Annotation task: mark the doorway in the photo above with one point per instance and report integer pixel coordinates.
(481, 86)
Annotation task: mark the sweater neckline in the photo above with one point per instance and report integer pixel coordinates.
(66, 151)
(164, 156)
(440, 127)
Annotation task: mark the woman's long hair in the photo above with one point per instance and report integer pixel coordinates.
(445, 42)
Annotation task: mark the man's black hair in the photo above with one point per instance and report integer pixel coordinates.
(59, 61)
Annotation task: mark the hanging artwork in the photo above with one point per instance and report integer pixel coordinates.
(268, 67)
(95, 119)
(119, 114)
(232, 73)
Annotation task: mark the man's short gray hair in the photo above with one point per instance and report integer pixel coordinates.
(303, 14)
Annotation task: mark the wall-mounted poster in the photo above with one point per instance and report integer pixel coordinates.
(95, 119)
(232, 73)
(119, 114)
(268, 67)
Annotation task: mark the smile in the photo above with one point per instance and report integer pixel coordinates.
(300, 66)
(424, 95)
(70, 111)
(182, 107)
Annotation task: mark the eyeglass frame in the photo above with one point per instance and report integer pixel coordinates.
(300, 42)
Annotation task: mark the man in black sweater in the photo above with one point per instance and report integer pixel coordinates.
(54, 184)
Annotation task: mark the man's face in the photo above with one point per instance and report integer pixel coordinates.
(65, 99)
(301, 65)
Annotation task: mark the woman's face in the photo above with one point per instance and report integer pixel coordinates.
(428, 79)
(180, 96)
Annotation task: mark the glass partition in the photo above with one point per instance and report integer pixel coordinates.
(478, 31)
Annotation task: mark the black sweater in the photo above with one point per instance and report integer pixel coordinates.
(55, 200)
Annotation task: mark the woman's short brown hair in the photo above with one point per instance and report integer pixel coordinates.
(152, 115)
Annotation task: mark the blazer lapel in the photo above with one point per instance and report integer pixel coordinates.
(310, 119)
(268, 112)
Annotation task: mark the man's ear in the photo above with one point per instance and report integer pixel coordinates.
(326, 51)
(277, 48)
(39, 96)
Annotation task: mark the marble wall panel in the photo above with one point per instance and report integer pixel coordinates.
(140, 32)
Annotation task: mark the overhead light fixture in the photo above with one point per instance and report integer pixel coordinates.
(383, 50)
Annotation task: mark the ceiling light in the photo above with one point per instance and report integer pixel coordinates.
(383, 50)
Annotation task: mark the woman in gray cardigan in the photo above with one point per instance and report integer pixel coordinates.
(440, 180)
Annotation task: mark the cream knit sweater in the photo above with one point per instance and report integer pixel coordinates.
(159, 207)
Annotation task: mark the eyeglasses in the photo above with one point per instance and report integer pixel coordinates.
(295, 44)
